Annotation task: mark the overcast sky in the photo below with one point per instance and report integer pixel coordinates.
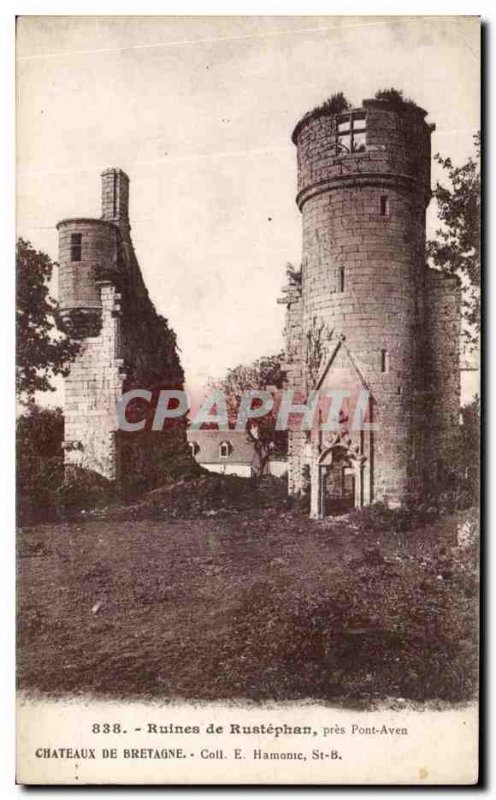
(199, 113)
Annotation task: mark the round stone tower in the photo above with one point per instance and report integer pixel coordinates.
(363, 190)
(86, 248)
(88, 251)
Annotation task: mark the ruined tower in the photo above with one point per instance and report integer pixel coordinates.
(124, 343)
(366, 313)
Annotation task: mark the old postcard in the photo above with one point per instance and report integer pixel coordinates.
(248, 324)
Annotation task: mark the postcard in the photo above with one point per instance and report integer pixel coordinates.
(248, 431)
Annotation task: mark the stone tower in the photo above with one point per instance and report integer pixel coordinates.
(104, 303)
(366, 314)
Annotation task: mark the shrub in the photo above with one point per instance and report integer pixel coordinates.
(44, 491)
(335, 104)
(395, 98)
(84, 490)
(40, 462)
(150, 459)
(378, 518)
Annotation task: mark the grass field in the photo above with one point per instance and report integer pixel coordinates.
(263, 606)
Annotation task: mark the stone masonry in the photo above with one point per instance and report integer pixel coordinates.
(366, 312)
(125, 344)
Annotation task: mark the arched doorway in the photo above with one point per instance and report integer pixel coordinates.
(338, 481)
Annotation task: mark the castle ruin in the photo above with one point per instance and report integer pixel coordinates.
(125, 344)
(366, 312)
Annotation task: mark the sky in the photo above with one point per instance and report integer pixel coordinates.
(199, 112)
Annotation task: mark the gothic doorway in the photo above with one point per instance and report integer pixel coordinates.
(339, 482)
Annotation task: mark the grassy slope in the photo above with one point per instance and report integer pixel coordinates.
(266, 606)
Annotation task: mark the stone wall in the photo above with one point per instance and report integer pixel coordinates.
(443, 311)
(125, 344)
(92, 389)
(295, 378)
(364, 281)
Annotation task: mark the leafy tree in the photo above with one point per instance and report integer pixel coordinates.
(266, 374)
(42, 351)
(456, 247)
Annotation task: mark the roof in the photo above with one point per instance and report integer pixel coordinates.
(209, 441)
(86, 220)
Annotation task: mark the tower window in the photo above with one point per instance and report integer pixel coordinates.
(351, 133)
(194, 447)
(341, 279)
(384, 361)
(384, 206)
(76, 246)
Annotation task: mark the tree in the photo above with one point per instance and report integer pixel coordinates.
(42, 351)
(456, 247)
(266, 374)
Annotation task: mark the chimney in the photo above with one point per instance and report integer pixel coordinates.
(115, 195)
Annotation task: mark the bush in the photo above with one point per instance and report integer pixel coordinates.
(205, 494)
(150, 459)
(44, 491)
(395, 98)
(457, 486)
(40, 463)
(378, 518)
(335, 104)
(84, 490)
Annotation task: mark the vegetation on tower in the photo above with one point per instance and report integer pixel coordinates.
(335, 104)
(394, 97)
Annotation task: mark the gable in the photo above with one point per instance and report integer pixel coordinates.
(340, 370)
